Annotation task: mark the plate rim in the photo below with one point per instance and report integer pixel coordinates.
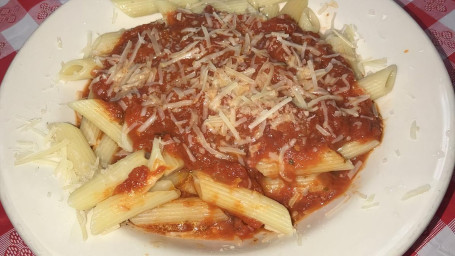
(449, 158)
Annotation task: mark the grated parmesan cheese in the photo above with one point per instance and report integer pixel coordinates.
(415, 192)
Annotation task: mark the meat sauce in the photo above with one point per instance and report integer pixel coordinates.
(178, 80)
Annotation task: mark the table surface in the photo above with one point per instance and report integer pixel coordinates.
(436, 18)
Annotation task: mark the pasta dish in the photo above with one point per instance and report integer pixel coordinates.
(215, 124)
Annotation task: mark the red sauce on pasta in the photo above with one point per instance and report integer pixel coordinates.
(137, 179)
(271, 53)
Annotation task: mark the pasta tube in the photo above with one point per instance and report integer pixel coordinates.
(356, 148)
(96, 112)
(233, 6)
(105, 43)
(165, 7)
(380, 83)
(105, 150)
(181, 210)
(309, 21)
(244, 202)
(103, 184)
(121, 207)
(78, 150)
(136, 8)
(90, 131)
(163, 185)
(271, 10)
(329, 160)
(294, 8)
(263, 3)
(78, 69)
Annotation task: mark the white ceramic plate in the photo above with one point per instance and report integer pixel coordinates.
(423, 93)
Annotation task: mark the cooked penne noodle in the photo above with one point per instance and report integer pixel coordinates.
(119, 208)
(173, 163)
(179, 211)
(244, 202)
(357, 148)
(78, 150)
(310, 180)
(268, 168)
(309, 21)
(102, 185)
(271, 11)
(96, 111)
(183, 3)
(329, 160)
(158, 159)
(188, 186)
(294, 8)
(105, 150)
(165, 6)
(272, 185)
(105, 43)
(136, 8)
(163, 185)
(91, 132)
(308, 183)
(264, 3)
(380, 83)
(78, 69)
(233, 6)
(177, 177)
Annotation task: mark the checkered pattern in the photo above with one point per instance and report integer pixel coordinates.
(19, 18)
(437, 18)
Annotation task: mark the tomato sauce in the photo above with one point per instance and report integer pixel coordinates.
(136, 181)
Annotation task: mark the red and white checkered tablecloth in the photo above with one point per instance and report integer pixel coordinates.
(19, 18)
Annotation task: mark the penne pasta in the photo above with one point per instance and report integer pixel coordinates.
(380, 83)
(188, 186)
(136, 8)
(177, 177)
(183, 210)
(273, 185)
(165, 6)
(328, 160)
(79, 152)
(309, 21)
(184, 3)
(96, 111)
(264, 3)
(173, 163)
(357, 148)
(102, 185)
(105, 43)
(294, 8)
(244, 202)
(121, 207)
(163, 185)
(105, 150)
(233, 6)
(158, 159)
(90, 131)
(271, 11)
(78, 69)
